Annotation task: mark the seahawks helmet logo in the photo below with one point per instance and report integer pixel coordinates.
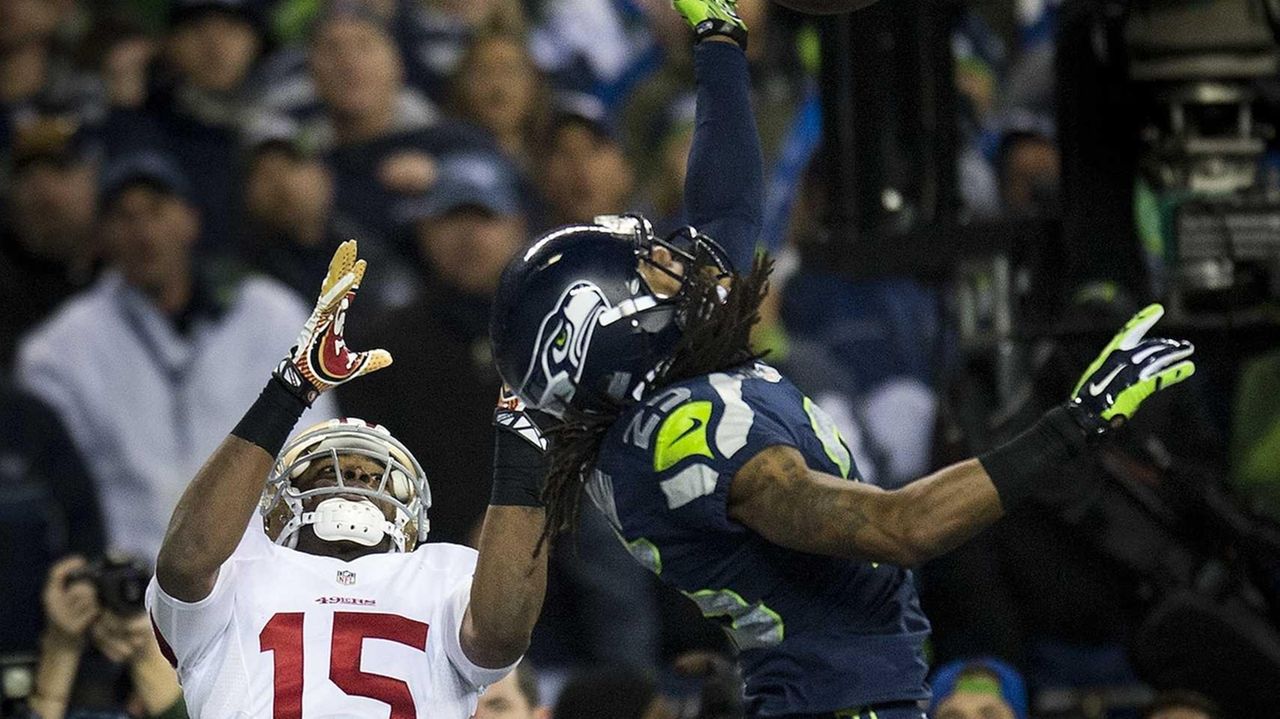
(561, 347)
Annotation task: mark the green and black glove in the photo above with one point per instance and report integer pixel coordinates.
(713, 17)
(1128, 371)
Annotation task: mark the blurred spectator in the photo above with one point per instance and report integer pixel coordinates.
(32, 75)
(978, 689)
(213, 44)
(150, 365)
(74, 618)
(50, 509)
(611, 692)
(1181, 705)
(198, 105)
(46, 250)
(465, 230)
(664, 188)
(293, 20)
(585, 172)
(435, 34)
(430, 35)
(515, 697)
(122, 52)
(386, 137)
(1029, 167)
(359, 77)
(292, 228)
(979, 59)
(500, 89)
(1027, 158)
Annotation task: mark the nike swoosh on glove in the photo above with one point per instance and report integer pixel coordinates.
(1128, 371)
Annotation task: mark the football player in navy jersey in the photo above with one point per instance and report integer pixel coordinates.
(715, 471)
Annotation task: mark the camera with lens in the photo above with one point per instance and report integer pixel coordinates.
(1206, 71)
(120, 581)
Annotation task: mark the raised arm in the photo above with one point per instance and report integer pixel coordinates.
(724, 181)
(511, 573)
(780, 497)
(217, 505)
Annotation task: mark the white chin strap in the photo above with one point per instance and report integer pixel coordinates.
(342, 520)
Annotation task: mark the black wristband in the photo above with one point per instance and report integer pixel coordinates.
(272, 417)
(1018, 467)
(294, 381)
(519, 470)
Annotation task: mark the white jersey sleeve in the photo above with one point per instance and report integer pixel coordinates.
(186, 630)
(454, 611)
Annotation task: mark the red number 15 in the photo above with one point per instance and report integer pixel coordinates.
(282, 636)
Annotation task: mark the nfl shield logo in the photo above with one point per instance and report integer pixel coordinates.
(346, 578)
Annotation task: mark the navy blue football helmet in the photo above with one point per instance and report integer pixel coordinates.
(575, 322)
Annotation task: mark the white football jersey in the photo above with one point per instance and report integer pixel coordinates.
(289, 635)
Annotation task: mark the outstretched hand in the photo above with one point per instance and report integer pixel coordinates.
(1128, 371)
(321, 359)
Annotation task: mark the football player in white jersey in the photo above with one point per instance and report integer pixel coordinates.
(330, 605)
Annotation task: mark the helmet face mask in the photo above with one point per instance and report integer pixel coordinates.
(401, 487)
(691, 249)
(588, 313)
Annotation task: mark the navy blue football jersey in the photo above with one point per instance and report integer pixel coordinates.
(814, 633)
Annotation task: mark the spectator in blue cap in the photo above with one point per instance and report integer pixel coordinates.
(158, 341)
(983, 688)
(465, 228)
(470, 222)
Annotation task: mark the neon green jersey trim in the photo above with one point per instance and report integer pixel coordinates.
(646, 553)
(829, 435)
(751, 625)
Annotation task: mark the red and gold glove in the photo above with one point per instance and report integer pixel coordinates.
(321, 359)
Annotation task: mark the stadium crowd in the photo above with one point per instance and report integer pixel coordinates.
(175, 175)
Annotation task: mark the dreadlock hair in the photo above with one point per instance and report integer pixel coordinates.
(717, 336)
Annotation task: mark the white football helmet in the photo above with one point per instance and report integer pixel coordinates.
(403, 485)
